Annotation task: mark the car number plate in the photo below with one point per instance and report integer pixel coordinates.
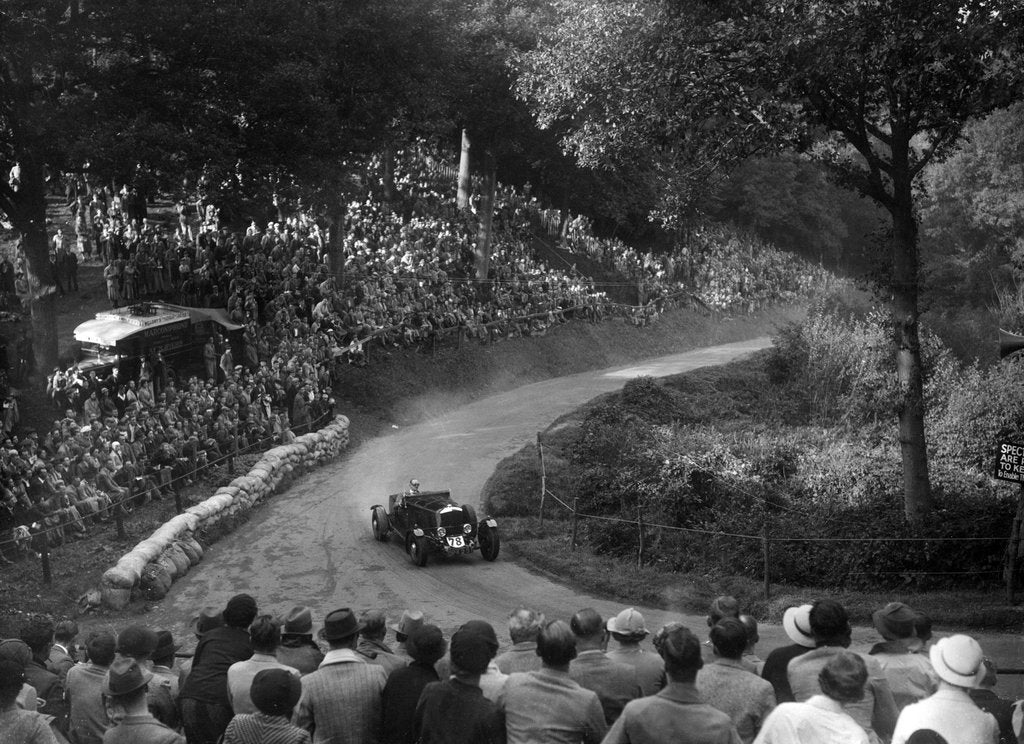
(456, 542)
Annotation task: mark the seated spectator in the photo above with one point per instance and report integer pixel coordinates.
(139, 642)
(823, 717)
(628, 629)
(910, 675)
(87, 716)
(728, 685)
(264, 637)
(615, 684)
(796, 621)
(426, 645)
(17, 725)
(750, 658)
(523, 628)
(37, 633)
(985, 697)
(61, 659)
(125, 688)
(274, 692)
(959, 663)
(15, 650)
(546, 706)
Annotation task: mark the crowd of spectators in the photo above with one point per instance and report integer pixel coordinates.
(256, 677)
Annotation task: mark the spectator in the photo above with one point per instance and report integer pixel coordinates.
(959, 663)
(426, 645)
(372, 644)
(876, 711)
(824, 716)
(910, 675)
(341, 701)
(628, 629)
(15, 650)
(615, 684)
(985, 697)
(275, 693)
(728, 685)
(411, 619)
(721, 607)
(455, 710)
(87, 716)
(492, 680)
(205, 707)
(298, 649)
(546, 706)
(207, 619)
(139, 643)
(37, 633)
(125, 689)
(677, 713)
(750, 658)
(17, 725)
(524, 626)
(264, 637)
(796, 621)
(165, 678)
(61, 659)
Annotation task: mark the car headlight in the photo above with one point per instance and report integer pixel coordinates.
(440, 532)
(467, 528)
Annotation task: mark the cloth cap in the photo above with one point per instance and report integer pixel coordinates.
(958, 660)
(299, 621)
(470, 652)
(275, 691)
(894, 621)
(125, 676)
(339, 625)
(426, 644)
(137, 641)
(485, 630)
(629, 622)
(796, 621)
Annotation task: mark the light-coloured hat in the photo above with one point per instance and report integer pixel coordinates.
(629, 622)
(796, 621)
(958, 660)
(411, 619)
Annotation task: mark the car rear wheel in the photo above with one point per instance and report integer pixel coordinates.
(417, 549)
(490, 543)
(380, 524)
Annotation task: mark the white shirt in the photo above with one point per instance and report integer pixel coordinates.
(820, 719)
(951, 713)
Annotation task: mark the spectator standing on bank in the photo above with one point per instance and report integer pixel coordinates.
(126, 694)
(372, 644)
(298, 649)
(264, 637)
(87, 716)
(275, 693)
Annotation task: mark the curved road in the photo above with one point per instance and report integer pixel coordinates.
(312, 544)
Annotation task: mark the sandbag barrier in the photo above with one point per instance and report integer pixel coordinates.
(155, 563)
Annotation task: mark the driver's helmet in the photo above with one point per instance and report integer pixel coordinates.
(414, 485)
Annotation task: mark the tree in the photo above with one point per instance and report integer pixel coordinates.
(877, 89)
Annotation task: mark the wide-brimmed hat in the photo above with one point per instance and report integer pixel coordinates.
(958, 660)
(411, 619)
(299, 621)
(339, 625)
(894, 621)
(275, 692)
(796, 621)
(125, 676)
(208, 618)
(426, 644)
(629, 622)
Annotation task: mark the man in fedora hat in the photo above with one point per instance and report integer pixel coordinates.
(125, 689)
(411, 619)
(628, 629)
(796, 621)
(341, 701)
(298, 649)
(909, 673)
(959, 663)
(371, 642)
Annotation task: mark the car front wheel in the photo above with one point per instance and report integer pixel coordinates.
(490, 543)
(417, 547)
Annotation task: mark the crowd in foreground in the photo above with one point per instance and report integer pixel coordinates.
(257, 678)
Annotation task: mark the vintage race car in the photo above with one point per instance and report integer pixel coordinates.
(430, 522)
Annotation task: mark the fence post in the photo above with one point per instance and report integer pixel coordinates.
(543, 478)
(119, 514)
(1013, 549)
(40, 543)
(575, 510)
(640, 536)
(766, 550)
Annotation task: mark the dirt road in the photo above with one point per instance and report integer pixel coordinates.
(312, 545)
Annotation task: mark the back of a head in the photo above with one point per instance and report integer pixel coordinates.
(750, 623)
(680, 649)
(101, 646)
(524, 624)
(374, 624)
(556, 643)
(65, 631)
(241, 610)
(587, 624)
(723, 606)
(843, 677)
(37, 633)
(729, 637)
(830, 623)
(264, 634)
(138, 642)
(12, 677)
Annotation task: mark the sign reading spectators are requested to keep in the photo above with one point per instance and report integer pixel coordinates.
(1010, 464)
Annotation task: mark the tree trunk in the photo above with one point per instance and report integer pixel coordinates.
(465, 185)
(30, 221)
(387, 178)
(335, 249)
(485, 232)
(917, 498)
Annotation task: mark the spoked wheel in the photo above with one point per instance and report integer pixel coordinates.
(490, 543)
(380, 524)
(417, 549)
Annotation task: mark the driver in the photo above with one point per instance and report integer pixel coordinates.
(414, 488)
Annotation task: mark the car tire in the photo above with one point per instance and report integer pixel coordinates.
(470, 515)
(417, 549)
(490, 543)
(380, 523)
